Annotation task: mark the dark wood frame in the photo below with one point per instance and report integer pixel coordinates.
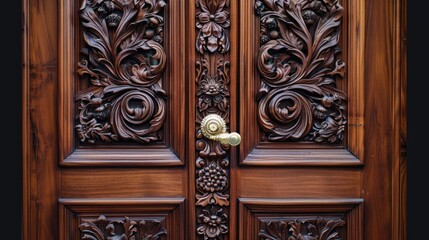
(172, 152)
(40, 139)
(255, 153)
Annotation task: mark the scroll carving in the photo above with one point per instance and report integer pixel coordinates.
(126, 229)
(299, 229)
(123, 61)
(299, 64)
(212, 80)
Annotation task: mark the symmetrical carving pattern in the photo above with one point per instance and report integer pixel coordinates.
(104, 229)
(213, 223)
(212, 164)
(212, 21)
(299, 229)
(123, 60)
(299, 63)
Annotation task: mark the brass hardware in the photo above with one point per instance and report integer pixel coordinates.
(214, 127)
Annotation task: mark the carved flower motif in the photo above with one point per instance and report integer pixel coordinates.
(212, 224)
(212, 21)
(212, 93)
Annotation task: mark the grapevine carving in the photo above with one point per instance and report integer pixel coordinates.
(299, 229)
(123, 60)
(299, 64)
(127, 229)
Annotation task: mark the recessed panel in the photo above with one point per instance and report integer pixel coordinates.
(119, 86)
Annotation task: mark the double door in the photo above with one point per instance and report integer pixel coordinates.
(213, 119)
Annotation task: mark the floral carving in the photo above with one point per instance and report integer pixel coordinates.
(213, 97)
(299, 63)
(212, 224)
(213, 93)
(298, 229)
(212, 173)
(212, 20)
(127, 229)
(123, 61)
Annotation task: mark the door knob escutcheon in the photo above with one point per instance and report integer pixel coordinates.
(213, 127)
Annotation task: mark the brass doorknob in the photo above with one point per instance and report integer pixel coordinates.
(213, 127)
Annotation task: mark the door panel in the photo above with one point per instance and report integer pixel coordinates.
(116, 93)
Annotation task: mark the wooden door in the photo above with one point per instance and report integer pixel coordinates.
(115, 93)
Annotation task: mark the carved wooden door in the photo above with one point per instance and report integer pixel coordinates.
(130, 108)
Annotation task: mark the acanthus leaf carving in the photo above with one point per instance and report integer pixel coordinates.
(302, 229)
(127, 229)
(124, 60)
(299, 64)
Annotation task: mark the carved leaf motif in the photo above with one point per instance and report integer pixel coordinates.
(104, 229)
(212, 223)
(299, 64)
(212, 21)
(124, 60)
(302, 229)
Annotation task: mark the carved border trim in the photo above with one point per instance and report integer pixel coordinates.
(348, 154)
(352, 208)
(71, 209)
(212, 97)
(168, 153)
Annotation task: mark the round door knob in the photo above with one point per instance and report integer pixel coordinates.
(213, 127)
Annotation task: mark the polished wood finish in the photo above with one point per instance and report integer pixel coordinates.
(286, 219)
(212, 78)
(40, 172)
(299, 63)
(360, 180)
(349, 152)
(103, 218)
(95, 98)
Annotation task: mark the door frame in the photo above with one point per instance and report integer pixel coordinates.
(43, 155)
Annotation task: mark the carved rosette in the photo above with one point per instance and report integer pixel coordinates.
(212, 79)
(123, 61)
(299, 64)
(126, 229)
(300, 229)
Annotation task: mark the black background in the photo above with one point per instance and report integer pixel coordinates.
(418, 122)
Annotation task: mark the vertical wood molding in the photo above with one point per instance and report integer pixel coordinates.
(399, 116)
(382, 140)
(40, 139)
(212, 65)
(356, 78)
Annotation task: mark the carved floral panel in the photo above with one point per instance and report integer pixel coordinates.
(125, 229)
(212, 22)
(302, 229)
(299, 63)
(122, 61)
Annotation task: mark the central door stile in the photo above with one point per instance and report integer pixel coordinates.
(210, 64)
